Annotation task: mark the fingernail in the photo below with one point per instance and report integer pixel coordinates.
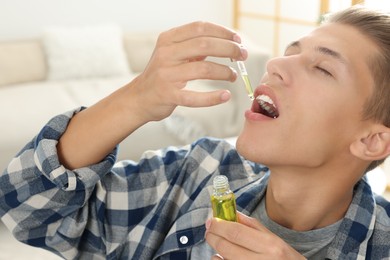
(208, 223)
(244, 52)
(235, 74)
(225, 96)
(237, 38)
(234, 71)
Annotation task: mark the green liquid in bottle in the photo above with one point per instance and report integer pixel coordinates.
(224, 207)
(223, 200)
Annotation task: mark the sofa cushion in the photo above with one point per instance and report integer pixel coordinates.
(139, 47)
(85, 52)
(21, 61)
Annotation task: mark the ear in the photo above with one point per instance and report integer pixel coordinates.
(374, 145)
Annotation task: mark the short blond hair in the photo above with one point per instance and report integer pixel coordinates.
(374, 24)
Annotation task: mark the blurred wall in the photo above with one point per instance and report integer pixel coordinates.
(27, 18)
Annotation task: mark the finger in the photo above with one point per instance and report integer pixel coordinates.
(227, 249)
(250, 222)
(197, 29)
(191, 98)
(199, 49)
(234, 240)
(207, 46)
(217, 257)
(200, 70)
(199, 58)
(238, 233)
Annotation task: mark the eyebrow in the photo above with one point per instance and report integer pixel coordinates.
(320, 49)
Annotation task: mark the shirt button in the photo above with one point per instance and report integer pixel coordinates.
(183, 240)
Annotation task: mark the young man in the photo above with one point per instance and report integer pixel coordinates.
(328, 122)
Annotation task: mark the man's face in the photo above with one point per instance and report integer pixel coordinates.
(319, 88)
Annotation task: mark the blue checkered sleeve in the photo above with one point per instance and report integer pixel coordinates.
(114, 210)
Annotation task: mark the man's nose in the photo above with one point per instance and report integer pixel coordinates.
(276, 69)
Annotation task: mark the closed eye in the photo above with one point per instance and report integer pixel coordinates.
(324, 71)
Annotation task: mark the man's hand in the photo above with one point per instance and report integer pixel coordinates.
(246, 239)
(179, 57)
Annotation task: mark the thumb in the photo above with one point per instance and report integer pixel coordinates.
(250, 222)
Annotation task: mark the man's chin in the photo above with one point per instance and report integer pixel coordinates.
(245, 148)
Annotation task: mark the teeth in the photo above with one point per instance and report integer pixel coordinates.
(262, 99)
(268, 105)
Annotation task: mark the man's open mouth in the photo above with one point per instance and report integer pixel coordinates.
(266, 106)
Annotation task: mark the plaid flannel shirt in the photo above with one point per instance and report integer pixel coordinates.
(153, 209)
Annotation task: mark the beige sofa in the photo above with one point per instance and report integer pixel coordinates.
(31, 93)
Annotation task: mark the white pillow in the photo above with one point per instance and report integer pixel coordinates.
(82, 52)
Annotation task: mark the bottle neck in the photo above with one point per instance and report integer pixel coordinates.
(221, 182)
(221, 190)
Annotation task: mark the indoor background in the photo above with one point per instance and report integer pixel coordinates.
(269, 23)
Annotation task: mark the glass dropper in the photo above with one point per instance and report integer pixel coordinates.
(245, 78)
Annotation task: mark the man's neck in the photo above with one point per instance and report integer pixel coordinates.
(305, 201)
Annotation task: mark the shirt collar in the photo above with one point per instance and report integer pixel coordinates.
(357, 226)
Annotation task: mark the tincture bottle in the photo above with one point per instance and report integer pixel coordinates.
(223, 200)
